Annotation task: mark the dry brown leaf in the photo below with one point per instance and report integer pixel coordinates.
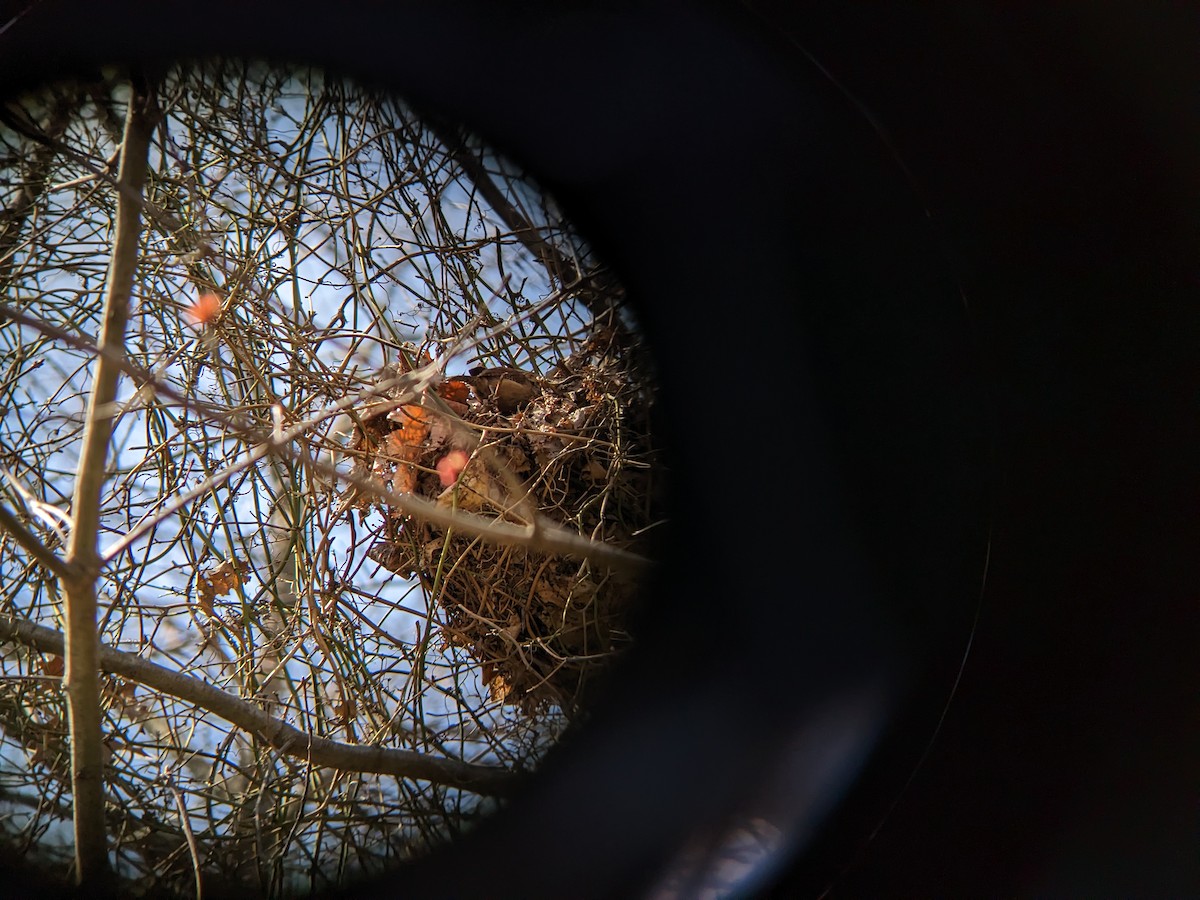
(404, 444)
(512, 630)
(219, 581)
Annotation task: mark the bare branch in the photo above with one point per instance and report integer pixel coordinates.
(30, 543)
(542, 534)
(320, 751)
(82, 678)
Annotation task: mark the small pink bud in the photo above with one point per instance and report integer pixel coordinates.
(450, 466)
(205, 310)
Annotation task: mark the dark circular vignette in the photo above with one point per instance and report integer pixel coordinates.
(820, 396)
(824, 573)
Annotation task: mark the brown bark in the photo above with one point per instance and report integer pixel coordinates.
(82, 677)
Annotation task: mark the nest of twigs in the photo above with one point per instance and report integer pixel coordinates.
(572, 447)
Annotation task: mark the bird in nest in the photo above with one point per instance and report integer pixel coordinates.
(509, 388)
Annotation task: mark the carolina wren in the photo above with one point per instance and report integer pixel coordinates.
(510, 388)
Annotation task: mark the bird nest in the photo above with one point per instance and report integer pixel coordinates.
(572, 447)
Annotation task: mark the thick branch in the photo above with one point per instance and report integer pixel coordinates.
(545, 535)
(283, 737)
(82, 678)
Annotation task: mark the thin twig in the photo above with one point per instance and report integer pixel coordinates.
(30, 543)
(193, 850)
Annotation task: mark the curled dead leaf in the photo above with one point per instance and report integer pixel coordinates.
(219, 581)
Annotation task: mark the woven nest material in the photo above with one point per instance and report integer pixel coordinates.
(572, 447)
